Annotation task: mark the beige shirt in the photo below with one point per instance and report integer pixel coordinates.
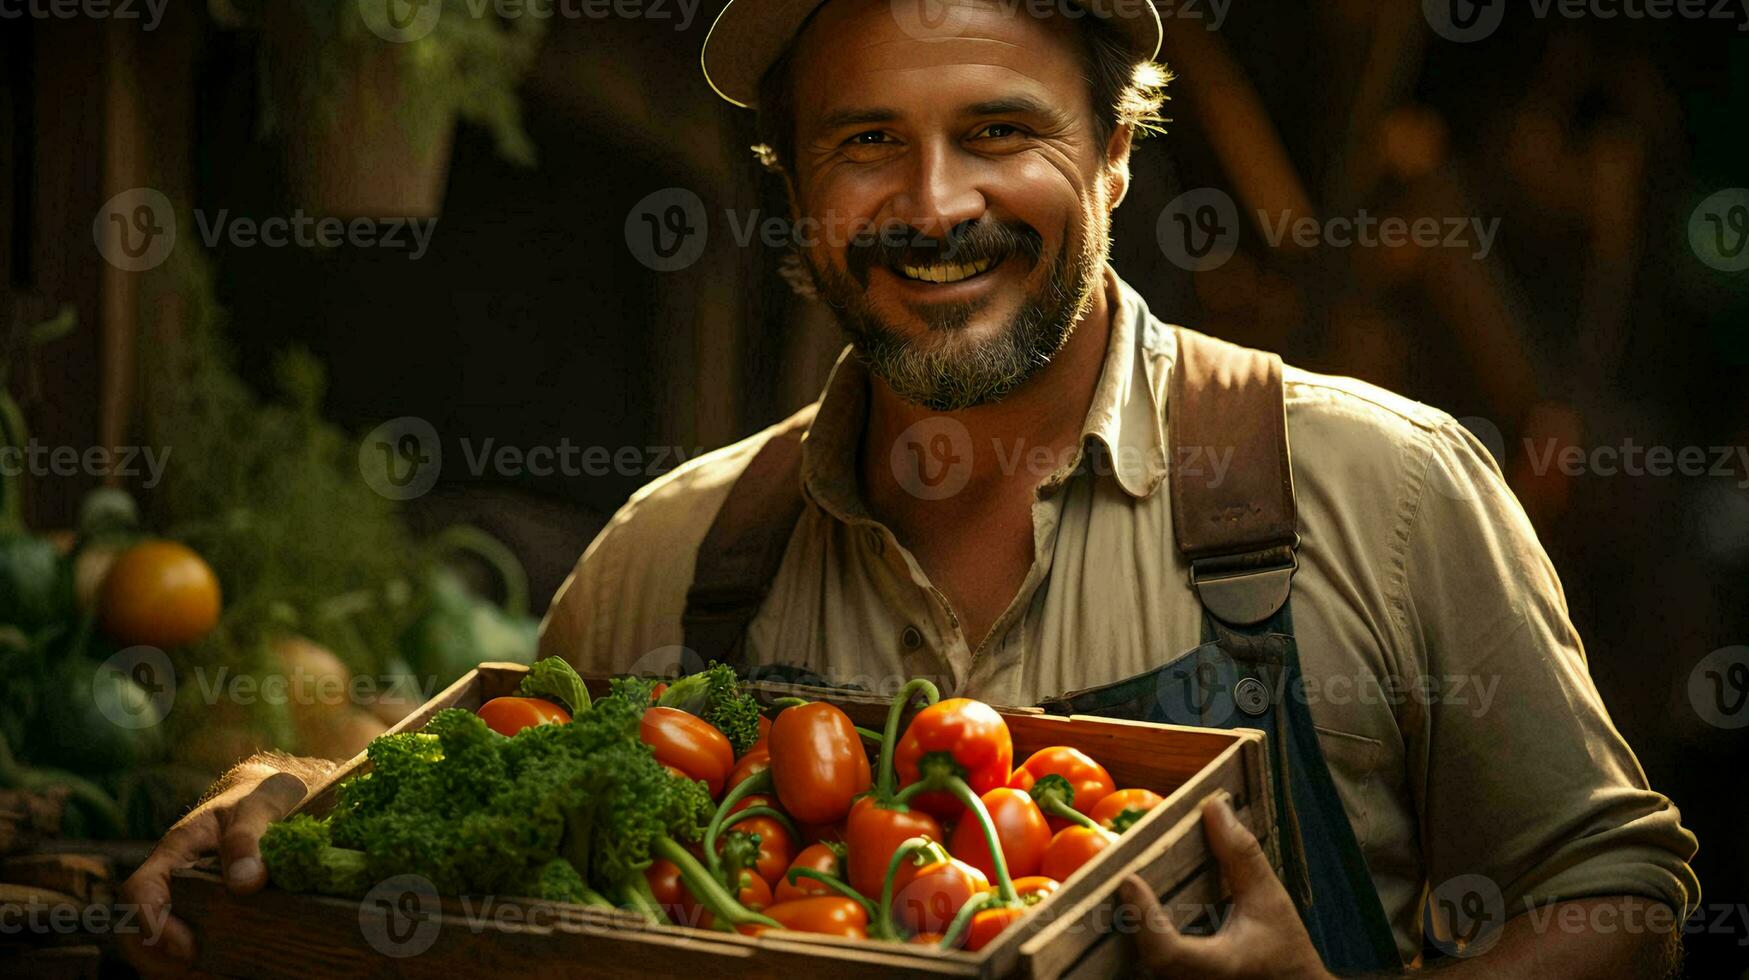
(1446, 680)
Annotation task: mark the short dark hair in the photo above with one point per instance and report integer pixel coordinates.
(1126, 89)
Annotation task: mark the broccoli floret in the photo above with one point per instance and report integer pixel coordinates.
(553, 678)
(634, 691)
(715, 695)
(301, 857)
(558, 881)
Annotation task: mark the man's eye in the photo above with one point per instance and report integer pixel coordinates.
(999, 131)
(873, 137)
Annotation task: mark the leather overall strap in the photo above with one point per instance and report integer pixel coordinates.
(740, 554)
(1239, 532)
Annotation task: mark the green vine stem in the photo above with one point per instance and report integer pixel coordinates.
(782, 819)
(1056, 797)
(759, 782)
(782, 703)
(707, 890)
(838, 885)
(912, 845)
(643, 901)
(963, 918)
(871, 735)
(941, 778)
(885, 779)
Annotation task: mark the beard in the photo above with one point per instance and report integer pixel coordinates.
(946, 369)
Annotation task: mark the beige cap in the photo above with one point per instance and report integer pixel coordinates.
(749, 35)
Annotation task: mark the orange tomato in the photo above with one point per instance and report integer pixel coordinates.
(817, 857)
(756, 761)
(1073, 847)
(818, 763)
(925, 899)
(824, 915)
(1086, 777)
(507, 716)
(1034, 889)
(968, 732)
(1020, 828)
(1119, 811)
(754, 895)
(776, 848)
(873, 833)
(159, 594)
(988, 924)
(690, 744)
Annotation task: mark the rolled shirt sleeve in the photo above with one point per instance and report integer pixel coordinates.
(1532, 787)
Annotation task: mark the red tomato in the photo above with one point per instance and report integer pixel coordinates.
(1086, 777)
(1119, 811)
(507, 716)
(818, 763)
(988, 924)
(1020, 828)
(690, 744)
(776, 848)
(1073, 847)
(764, 735)
(1035, 888)
(817, 857)
(971, 734)
(873, 833)
(663, 877)
(756, 761)
(925, 899)
(822, 914)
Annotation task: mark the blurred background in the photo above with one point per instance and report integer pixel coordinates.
(385, 449)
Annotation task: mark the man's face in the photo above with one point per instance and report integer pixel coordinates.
(968, 153)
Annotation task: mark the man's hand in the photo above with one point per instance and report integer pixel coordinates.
(230, 823)
(1262, 938)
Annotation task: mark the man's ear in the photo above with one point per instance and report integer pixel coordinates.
(1117, 163)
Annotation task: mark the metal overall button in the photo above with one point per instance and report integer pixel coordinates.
(1251, 696)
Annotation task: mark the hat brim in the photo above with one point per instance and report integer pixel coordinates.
(750, 35)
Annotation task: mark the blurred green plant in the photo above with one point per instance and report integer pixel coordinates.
(467, 65)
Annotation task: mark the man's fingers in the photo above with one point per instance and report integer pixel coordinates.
(161, 943)
(1243, 862)
(244, 822)
(1163, 949)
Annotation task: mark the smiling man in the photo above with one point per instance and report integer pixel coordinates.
(1022, 485)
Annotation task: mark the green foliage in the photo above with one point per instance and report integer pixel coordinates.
(469, 65)
(715, 695)
(270, 494)
(476, 812)
(556, 679)
(304, 859)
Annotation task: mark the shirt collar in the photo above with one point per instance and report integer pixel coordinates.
(1124, 419)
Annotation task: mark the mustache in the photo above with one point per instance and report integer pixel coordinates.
(971, 242)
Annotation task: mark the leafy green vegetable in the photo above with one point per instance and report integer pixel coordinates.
(553, 678)
(715, 695)
(304, 859)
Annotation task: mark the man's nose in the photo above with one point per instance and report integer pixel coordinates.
(941, 194)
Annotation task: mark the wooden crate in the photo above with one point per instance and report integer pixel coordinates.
(277, 934)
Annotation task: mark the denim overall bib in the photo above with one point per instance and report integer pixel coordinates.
(1240, 537)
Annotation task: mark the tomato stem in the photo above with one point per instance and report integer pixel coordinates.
(706, 889)
(963, 918)
(643, 901)
(911, 846)
(886, 779)
(870, 734)
(838, 885)
(781, 818)
(1056, 797)
(782, 703)
(759, 782)
(939, 779)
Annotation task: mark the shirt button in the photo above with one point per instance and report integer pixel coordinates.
(1251, 696)
(912, 638)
